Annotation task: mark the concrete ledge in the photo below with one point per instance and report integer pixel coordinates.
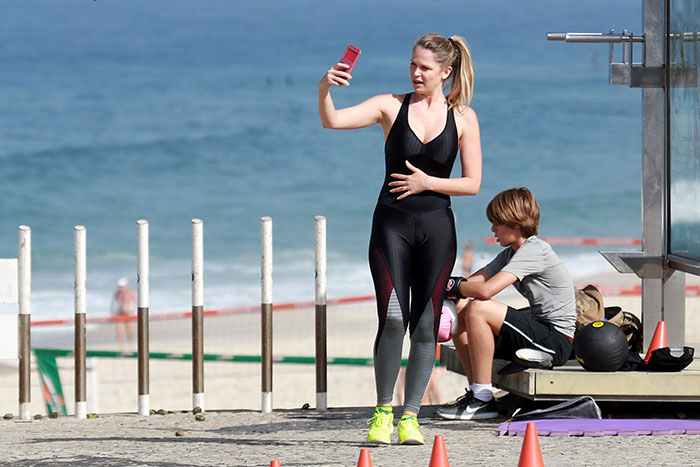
(572, 380)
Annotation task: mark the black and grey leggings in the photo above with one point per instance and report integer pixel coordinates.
(411, 255)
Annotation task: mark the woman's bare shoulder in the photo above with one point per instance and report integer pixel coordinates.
(465, 113)
(465, 117)
(466, 121)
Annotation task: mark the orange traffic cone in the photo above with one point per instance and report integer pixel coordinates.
(659, 340)
(530, 455)
(275, 464)
(439, 455)
(365, 460)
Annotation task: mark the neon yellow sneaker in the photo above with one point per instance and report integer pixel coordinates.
(408, 431)
(382, 425)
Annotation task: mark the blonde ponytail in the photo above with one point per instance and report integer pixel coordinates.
(452, 52)
(462, 87)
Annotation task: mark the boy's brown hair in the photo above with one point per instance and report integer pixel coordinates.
(515, 208)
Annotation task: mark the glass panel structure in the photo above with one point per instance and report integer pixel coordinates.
(684, 129)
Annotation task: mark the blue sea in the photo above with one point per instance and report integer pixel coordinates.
(168, 110)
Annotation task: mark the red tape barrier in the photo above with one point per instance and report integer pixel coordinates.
(690, 290)
(582, 240)
(612, 290)
(219, 312)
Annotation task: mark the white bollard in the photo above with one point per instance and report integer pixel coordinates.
(24, 290)
(197, 314)
(266, 311)
(79, 263)
(144, 403)
(321, 322)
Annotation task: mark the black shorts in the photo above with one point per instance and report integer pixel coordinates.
(520, 330)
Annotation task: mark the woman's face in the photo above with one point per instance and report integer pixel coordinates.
(426, 73)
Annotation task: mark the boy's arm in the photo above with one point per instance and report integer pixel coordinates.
(486, 290)
(481, 286)
(479, 276)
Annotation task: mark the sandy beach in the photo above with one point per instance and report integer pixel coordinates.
(112, 382)
(235, 433)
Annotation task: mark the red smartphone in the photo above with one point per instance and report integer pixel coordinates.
(350, 57)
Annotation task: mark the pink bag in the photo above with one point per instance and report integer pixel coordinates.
(448, 321)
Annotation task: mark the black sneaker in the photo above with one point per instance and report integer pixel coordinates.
(468, 395)
(468, 407)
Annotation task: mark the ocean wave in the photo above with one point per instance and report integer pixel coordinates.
(137, 148)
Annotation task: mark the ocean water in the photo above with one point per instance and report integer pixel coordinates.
(169, 110)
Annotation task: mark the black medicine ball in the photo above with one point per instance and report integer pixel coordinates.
(601, 346)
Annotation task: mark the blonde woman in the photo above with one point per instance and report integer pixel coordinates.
(413, 243)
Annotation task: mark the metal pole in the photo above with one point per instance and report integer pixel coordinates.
(143, 339)
(197, 314)
(79, 263)
(320, 289)
(266, 311)
(663, 298)
(24, 271)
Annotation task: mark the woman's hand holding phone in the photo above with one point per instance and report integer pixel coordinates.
(339, 74)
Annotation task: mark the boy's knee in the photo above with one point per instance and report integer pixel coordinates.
(475, 309)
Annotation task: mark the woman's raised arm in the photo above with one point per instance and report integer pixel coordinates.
(367, 113)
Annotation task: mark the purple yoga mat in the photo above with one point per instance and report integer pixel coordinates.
(604, 427)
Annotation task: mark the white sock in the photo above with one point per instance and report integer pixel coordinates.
(483, 392)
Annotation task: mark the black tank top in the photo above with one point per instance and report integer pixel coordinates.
(435, 158)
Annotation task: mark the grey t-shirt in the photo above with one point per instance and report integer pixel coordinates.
(543, 280)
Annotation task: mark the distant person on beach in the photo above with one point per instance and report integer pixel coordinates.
(123, 303)
(413, 245)
(489, 328)
(467, 259)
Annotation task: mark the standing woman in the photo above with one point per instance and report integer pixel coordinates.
(413, 242)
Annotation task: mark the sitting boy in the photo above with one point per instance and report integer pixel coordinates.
(488, 328)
